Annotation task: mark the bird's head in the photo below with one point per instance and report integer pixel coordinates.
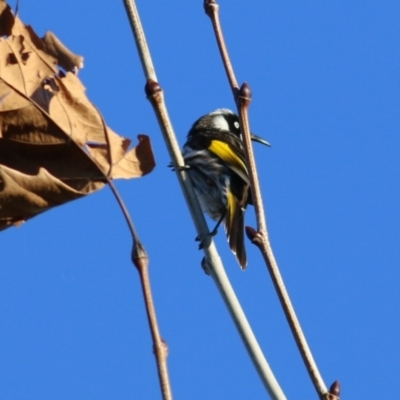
(222, 120)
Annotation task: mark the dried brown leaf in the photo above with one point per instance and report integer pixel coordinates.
(54, 144)
(65, 58)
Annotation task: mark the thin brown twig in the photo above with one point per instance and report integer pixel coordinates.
(212, 10)
(261, 238)
(141, 260)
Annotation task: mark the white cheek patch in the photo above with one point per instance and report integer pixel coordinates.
(220, 123)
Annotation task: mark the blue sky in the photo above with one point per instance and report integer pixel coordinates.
(326, 93)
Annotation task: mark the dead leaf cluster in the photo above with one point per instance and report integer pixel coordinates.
(54, 144)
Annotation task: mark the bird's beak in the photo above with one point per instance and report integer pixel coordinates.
(259, 140)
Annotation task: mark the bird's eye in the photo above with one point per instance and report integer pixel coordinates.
(236, 124)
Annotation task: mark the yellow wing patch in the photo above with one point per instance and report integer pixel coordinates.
(225, 153)
(232, 204)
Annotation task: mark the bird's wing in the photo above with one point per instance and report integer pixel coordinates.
(234, 220)
(234, 160)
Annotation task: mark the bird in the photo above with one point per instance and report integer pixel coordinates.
(215, 161)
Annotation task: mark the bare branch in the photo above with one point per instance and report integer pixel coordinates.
(212, 10)
(260, 237)
(141, 260)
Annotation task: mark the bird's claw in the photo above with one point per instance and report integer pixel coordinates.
(212, 234)
(179, 168)
(206, 241)
(202, 241)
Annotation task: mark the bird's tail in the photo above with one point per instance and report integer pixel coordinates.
(234, 226)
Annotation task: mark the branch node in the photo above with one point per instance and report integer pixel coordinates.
(165, 347)
(256, 237)
(251, 233)
(335, 389)
(210, 6)
(244, 95)
(152, 88)
(162, 347)
(140, 258)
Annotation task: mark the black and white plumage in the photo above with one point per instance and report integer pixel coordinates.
(217, 168)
